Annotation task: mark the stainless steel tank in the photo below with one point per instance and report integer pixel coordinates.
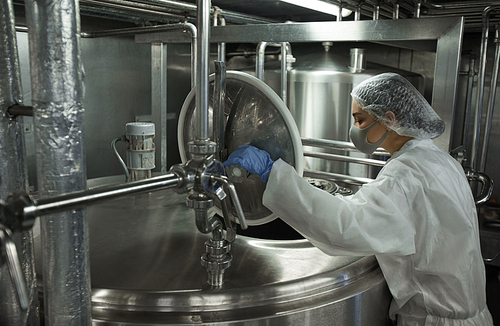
(319, 87)
(145, 268)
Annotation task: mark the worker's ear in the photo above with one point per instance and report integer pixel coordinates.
(390, 116)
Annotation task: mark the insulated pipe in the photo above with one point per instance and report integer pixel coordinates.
(202, 55)
(57, 95)
(13, 175)
(491, 103)
(480, 93)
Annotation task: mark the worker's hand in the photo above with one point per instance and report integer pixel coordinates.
(252, 159)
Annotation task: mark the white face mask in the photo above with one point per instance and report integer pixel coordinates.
(360, 140)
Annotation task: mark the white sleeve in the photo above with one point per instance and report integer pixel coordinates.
(373, 221)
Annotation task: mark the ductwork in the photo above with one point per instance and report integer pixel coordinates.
(57, 95)
(13, 174)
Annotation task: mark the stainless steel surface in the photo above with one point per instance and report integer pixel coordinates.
(335, 144)
(491, 102)
(486, 185)
(475, 151)
(320, 102)
(218, 109)
(254, 115)
(146, 270)
(446, 32)
(13, 174)
(57, 99)
(159, 95)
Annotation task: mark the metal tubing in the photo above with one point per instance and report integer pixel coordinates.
(218, 108)
(470, 88)
(61, 203)
(16, 110)
(343, 158)
(480, 94)
(203, 55)
(57, 96)
(337, 177)
(491, 103)
(221, 49)
(340, 145)
(13, 173)
(259, 64)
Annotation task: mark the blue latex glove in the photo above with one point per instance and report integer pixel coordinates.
(252, 159)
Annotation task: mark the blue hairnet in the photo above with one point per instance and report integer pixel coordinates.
(392, 92)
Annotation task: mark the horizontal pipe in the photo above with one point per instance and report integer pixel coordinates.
(133, 30)
(357, 181)
(343, 158)
(338, 145)
(23, 110)
(83, 198)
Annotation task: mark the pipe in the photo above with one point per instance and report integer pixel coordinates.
(286, 50)
(22, 110)
(480, 94)
(418, 8)
(470, 84)
(338, 145)
(221, 49)
(13, 174)
(337, 177)
(79, 199)
(343, 158)
(57, 96)
(218, 109)
(491, 103)
(376, 10)
(202, 55)
(395, 11)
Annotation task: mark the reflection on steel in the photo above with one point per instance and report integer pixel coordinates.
(218, 109)
(166, 285)
(342, 158)
(474, 160)
(486, 188)
(9, 251)
(470, 88)
(60, 156)
(202, 57)
(337, 177)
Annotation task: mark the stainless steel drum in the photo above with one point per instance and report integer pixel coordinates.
(319, 88)
(145, 269)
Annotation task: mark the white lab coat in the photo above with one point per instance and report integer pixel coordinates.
(418, 218)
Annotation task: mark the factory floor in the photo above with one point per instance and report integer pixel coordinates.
(493, 292)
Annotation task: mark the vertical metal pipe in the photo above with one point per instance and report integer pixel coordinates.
(470, 84)
(13, 173)
(57, 94)
(259, 64)
(203, 56)
(284, 71)
(480, 86)
(376, 10)
(221, 49)
(395, 11)
(194, 51)
(218, 108)
(491, 104)
(418, 8)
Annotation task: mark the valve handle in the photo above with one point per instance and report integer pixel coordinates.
(8, 248)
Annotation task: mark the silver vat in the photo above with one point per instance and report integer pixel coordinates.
(145, 269)
(319, 88)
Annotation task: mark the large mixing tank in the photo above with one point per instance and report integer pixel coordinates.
(319, 88)
(145, 268)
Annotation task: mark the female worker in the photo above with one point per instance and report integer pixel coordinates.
(417, 217)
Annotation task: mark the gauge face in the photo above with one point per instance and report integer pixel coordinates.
(254, 115)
